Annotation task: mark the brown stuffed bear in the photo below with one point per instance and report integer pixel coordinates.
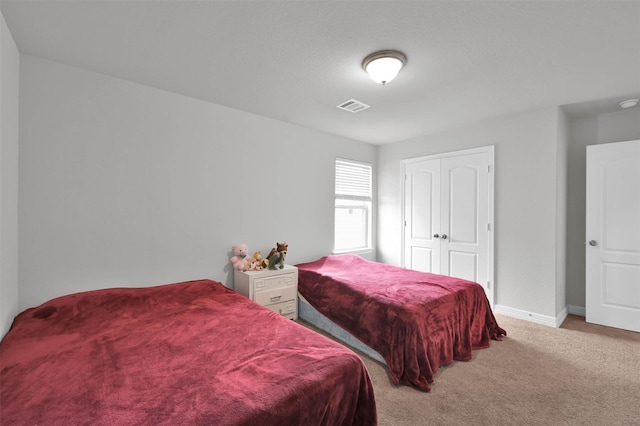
(277, 255)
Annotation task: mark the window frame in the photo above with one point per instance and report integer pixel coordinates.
(356, 187)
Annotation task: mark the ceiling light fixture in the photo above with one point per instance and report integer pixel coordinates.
(384, 66)
(629, 103)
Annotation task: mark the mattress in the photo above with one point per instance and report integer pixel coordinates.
(313, 316)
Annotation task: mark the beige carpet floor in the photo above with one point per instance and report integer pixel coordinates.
(578, 374)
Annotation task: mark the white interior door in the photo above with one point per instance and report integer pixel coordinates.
(613, 235)
(448, 202)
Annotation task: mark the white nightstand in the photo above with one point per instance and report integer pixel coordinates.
(275, 289)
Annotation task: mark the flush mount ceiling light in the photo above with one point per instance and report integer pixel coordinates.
(384, 66)
(629, 103)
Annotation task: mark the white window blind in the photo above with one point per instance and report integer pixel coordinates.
(353, 180)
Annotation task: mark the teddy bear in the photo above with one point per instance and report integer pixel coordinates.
(277, 256)
(239, 260)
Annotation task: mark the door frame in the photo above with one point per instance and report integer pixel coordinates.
(490, 285)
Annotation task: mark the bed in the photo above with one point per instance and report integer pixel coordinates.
(414, 321)
(187, 353)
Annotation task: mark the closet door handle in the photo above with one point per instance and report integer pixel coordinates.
(436, 236)
(444, 236)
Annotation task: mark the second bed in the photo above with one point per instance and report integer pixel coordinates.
(414, 321)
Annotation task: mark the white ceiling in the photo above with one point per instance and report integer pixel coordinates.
(297, 60)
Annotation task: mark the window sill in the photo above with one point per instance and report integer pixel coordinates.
(357, 251)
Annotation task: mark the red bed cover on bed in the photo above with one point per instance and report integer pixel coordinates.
(189, 353)
(415, 320)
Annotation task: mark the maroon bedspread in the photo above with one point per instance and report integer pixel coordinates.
(191, 353)
(416, 321)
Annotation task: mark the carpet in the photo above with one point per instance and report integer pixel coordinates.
(578, 374)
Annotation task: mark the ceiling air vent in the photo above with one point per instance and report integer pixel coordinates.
(353, 106)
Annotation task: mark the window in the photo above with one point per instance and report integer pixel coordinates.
(353, 206)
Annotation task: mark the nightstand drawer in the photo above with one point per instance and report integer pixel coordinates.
(287, 309)
(274, 282)
(276, 296)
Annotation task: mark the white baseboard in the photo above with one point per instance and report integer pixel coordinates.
(532, 316)
(577, 310)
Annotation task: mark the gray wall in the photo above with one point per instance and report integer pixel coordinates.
(526, 174)
(126, 185)
(9, 82)
(560, 232)
(540, 201)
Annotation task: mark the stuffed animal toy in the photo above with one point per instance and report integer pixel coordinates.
(250, 264)
(277, 256)
(238, 260)
(260, 262)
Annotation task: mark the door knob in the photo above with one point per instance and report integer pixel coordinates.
(444, 236)
(436, 236)
(593, 243)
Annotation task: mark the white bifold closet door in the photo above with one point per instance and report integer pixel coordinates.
(448, 205)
